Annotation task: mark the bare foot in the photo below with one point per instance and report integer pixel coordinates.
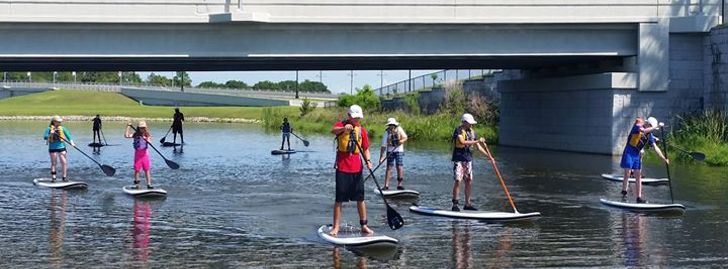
(334, 231)
(365, 230)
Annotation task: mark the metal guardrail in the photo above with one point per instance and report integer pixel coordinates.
(117, 88)
(428, 81)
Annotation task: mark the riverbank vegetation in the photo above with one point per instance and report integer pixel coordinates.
(705, 132)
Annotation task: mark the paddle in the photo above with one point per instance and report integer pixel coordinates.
(104, 137)
(667, 165)
(698, 156)
(305, 142)
(161, 141)
(394, 219)
(108, 170)
(497, 173)
(171, 164)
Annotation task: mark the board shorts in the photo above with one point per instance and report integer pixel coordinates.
(395, 157)
(176, 129)
(462, 170)
(286, 135)
(141, 160)
(349, 187)
(631, 160)
(56, 150)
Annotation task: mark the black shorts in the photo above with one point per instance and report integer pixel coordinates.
(177, 129)
(349, 187)
(56, 150)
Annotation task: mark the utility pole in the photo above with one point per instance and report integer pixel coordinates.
(351, 89)
(296, 84)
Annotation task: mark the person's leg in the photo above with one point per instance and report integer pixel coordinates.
(288, 140)
(283, 140)
(337, 218)
(181, 136)
(400, 170)
(64, 164)
(174, 135)
(638, 184)
(457, 167)
(54, 158)
(148, 175)
(625, 181)
(362, 207)
(387, 174)
(468, 177)
(136, 178)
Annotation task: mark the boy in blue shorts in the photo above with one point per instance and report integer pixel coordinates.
(639, 137)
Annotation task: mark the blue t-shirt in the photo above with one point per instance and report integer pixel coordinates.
(56, 143)
(637, 140)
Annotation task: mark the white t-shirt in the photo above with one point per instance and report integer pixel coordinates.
(385, 140)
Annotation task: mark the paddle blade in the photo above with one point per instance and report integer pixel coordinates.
(161, 141)
(394, 219)
(108, 170)
(172, 164)
(698, 156)
(305, 143)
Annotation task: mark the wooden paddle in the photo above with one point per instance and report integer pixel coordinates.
(161, 141)
(108, 170)
(497, 173)
(667, 165)
(394, 219)
(305, 142)
(171, 164)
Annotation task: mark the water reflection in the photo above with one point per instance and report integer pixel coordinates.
(634, 236)
(57, 207)
(461, 246)
(140, 229)
(361, 261)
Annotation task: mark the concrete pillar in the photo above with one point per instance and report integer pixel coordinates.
(653, 60)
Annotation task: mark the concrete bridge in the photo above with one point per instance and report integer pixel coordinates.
(586, 67)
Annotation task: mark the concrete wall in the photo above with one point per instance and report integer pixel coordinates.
(715, 48)
(170, 98)
(7, 92)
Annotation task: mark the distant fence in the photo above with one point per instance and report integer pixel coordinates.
(428, 81)
(117, 88)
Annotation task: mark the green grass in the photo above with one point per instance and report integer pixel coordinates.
(82, 103)
(705, 132)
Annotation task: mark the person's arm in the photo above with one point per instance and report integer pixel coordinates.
(462, 140)
(337, 130)
(148, 138)
(69, 137)
(382, 152)
(367, 158)
(659, 153)
(127, 132)
(47, 134)
(182, 116)
(402, 136)
(481, 149)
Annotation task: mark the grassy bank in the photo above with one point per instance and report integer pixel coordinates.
(437, 127)
(81, 103)
(706, 132)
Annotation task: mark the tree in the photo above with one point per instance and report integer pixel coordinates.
(159, 80)
(307, 106)
(287, 85)
(266, 85)
(312, 86)
(236, 84)
(183, 79)
(364, 97)
(210, 84)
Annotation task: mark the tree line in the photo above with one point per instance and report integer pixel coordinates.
(181, 79)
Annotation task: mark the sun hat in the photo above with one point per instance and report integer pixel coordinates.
(468, 118)
(392, 121)
(142, 124)
(356, 112)
(652, 121)
(57, 118)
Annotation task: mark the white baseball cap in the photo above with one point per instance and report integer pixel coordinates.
(142, 124)
(652, 121)
(57, 118)
(356, 112)
(392, 121)
(468, 118)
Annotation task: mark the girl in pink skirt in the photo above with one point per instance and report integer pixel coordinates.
(142, 138)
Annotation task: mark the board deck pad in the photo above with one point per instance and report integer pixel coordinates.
(476, 215)
(59, 184)
(645, 180)
(144, 192)
(646, 207)
(350, 236)
(394, 193)
(279, 152)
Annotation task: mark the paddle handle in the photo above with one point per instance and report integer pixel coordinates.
(151, 145)
(667, 165)
(498, 174)
(79, 150)
(371, 173)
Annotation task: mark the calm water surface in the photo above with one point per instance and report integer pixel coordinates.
(232, 204)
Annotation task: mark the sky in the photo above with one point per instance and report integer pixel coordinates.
(337, 81)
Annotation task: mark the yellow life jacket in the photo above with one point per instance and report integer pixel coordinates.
(466, 136)
(342, 140)
(638, 140)
(60, 132)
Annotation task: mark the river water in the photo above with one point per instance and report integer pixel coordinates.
(232, 204)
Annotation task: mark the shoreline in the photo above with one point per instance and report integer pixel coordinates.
(124, 119)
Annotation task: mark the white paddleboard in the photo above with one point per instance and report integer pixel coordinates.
(144, 192)
(348, 238)
(398, 193)
(647, 207)
(645, 180)
(476, 215)
(279, 152)
(59, 184)
(96, 145)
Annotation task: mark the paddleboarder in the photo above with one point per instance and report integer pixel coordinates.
(350, 136)
(393, 151)
(177, 120)
(141, 138)
(462, 158)
(286, 130)
(56, 137)
(639, 136)
(96, 128)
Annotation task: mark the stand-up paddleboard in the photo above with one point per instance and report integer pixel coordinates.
(645, 180)
(279, 151)
(476, 215)
(402, 194)
(170, 144)
(96, 145)
(350, 237)
(144, 192)
(59, 184)
(647, 207)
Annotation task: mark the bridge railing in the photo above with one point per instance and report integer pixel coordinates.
(428, 81)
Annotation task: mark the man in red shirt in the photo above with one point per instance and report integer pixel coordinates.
(350, 138)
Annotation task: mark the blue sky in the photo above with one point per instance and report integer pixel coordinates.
(337, 81)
